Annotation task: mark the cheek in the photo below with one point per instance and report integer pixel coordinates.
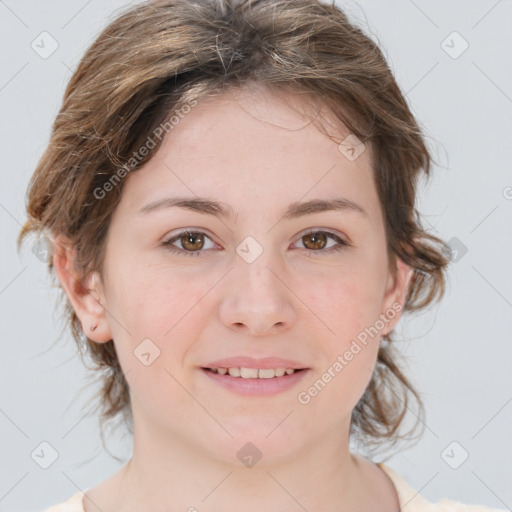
(156, 300)
(349, 307)
(345, 304)
(155, 315)
(162, 313)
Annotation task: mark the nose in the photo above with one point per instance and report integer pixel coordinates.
(256, 298)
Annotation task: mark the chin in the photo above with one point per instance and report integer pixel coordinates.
(268, 439)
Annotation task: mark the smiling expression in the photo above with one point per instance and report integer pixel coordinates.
(248, 234)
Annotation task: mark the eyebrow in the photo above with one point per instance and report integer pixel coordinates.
(221, 210)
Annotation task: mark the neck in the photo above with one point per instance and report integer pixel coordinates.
(170, 472)
(175, 476)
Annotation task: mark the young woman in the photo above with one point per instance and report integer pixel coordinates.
(228, 196)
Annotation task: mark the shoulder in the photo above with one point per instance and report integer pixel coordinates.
(411, 500)
(448, 505)
(73, 504)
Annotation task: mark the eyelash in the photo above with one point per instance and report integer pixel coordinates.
(342, 244)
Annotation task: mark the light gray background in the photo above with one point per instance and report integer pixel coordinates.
(459, 354)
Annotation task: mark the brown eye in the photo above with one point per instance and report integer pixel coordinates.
(192, 241)
(317, 243)
(316, 240)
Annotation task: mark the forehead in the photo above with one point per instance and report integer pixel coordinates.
(253, 114)
(249, 144)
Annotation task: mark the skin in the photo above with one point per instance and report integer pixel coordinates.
(251, 151)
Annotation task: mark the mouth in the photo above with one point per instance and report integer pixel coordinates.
(255, 381)
(255, 373)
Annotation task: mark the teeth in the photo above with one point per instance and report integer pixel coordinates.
(249, 373)
(254, 373)
(266, 373)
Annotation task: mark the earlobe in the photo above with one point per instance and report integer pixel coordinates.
(84, 294)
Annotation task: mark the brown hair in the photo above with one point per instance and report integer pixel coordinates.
(156, 58)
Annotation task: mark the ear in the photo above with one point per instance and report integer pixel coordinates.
(84, 293)
(395, 295)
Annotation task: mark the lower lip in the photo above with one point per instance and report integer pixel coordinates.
(256, 387)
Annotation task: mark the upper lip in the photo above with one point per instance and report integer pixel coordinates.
(250, 362)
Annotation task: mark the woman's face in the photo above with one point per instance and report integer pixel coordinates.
(251, 284)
